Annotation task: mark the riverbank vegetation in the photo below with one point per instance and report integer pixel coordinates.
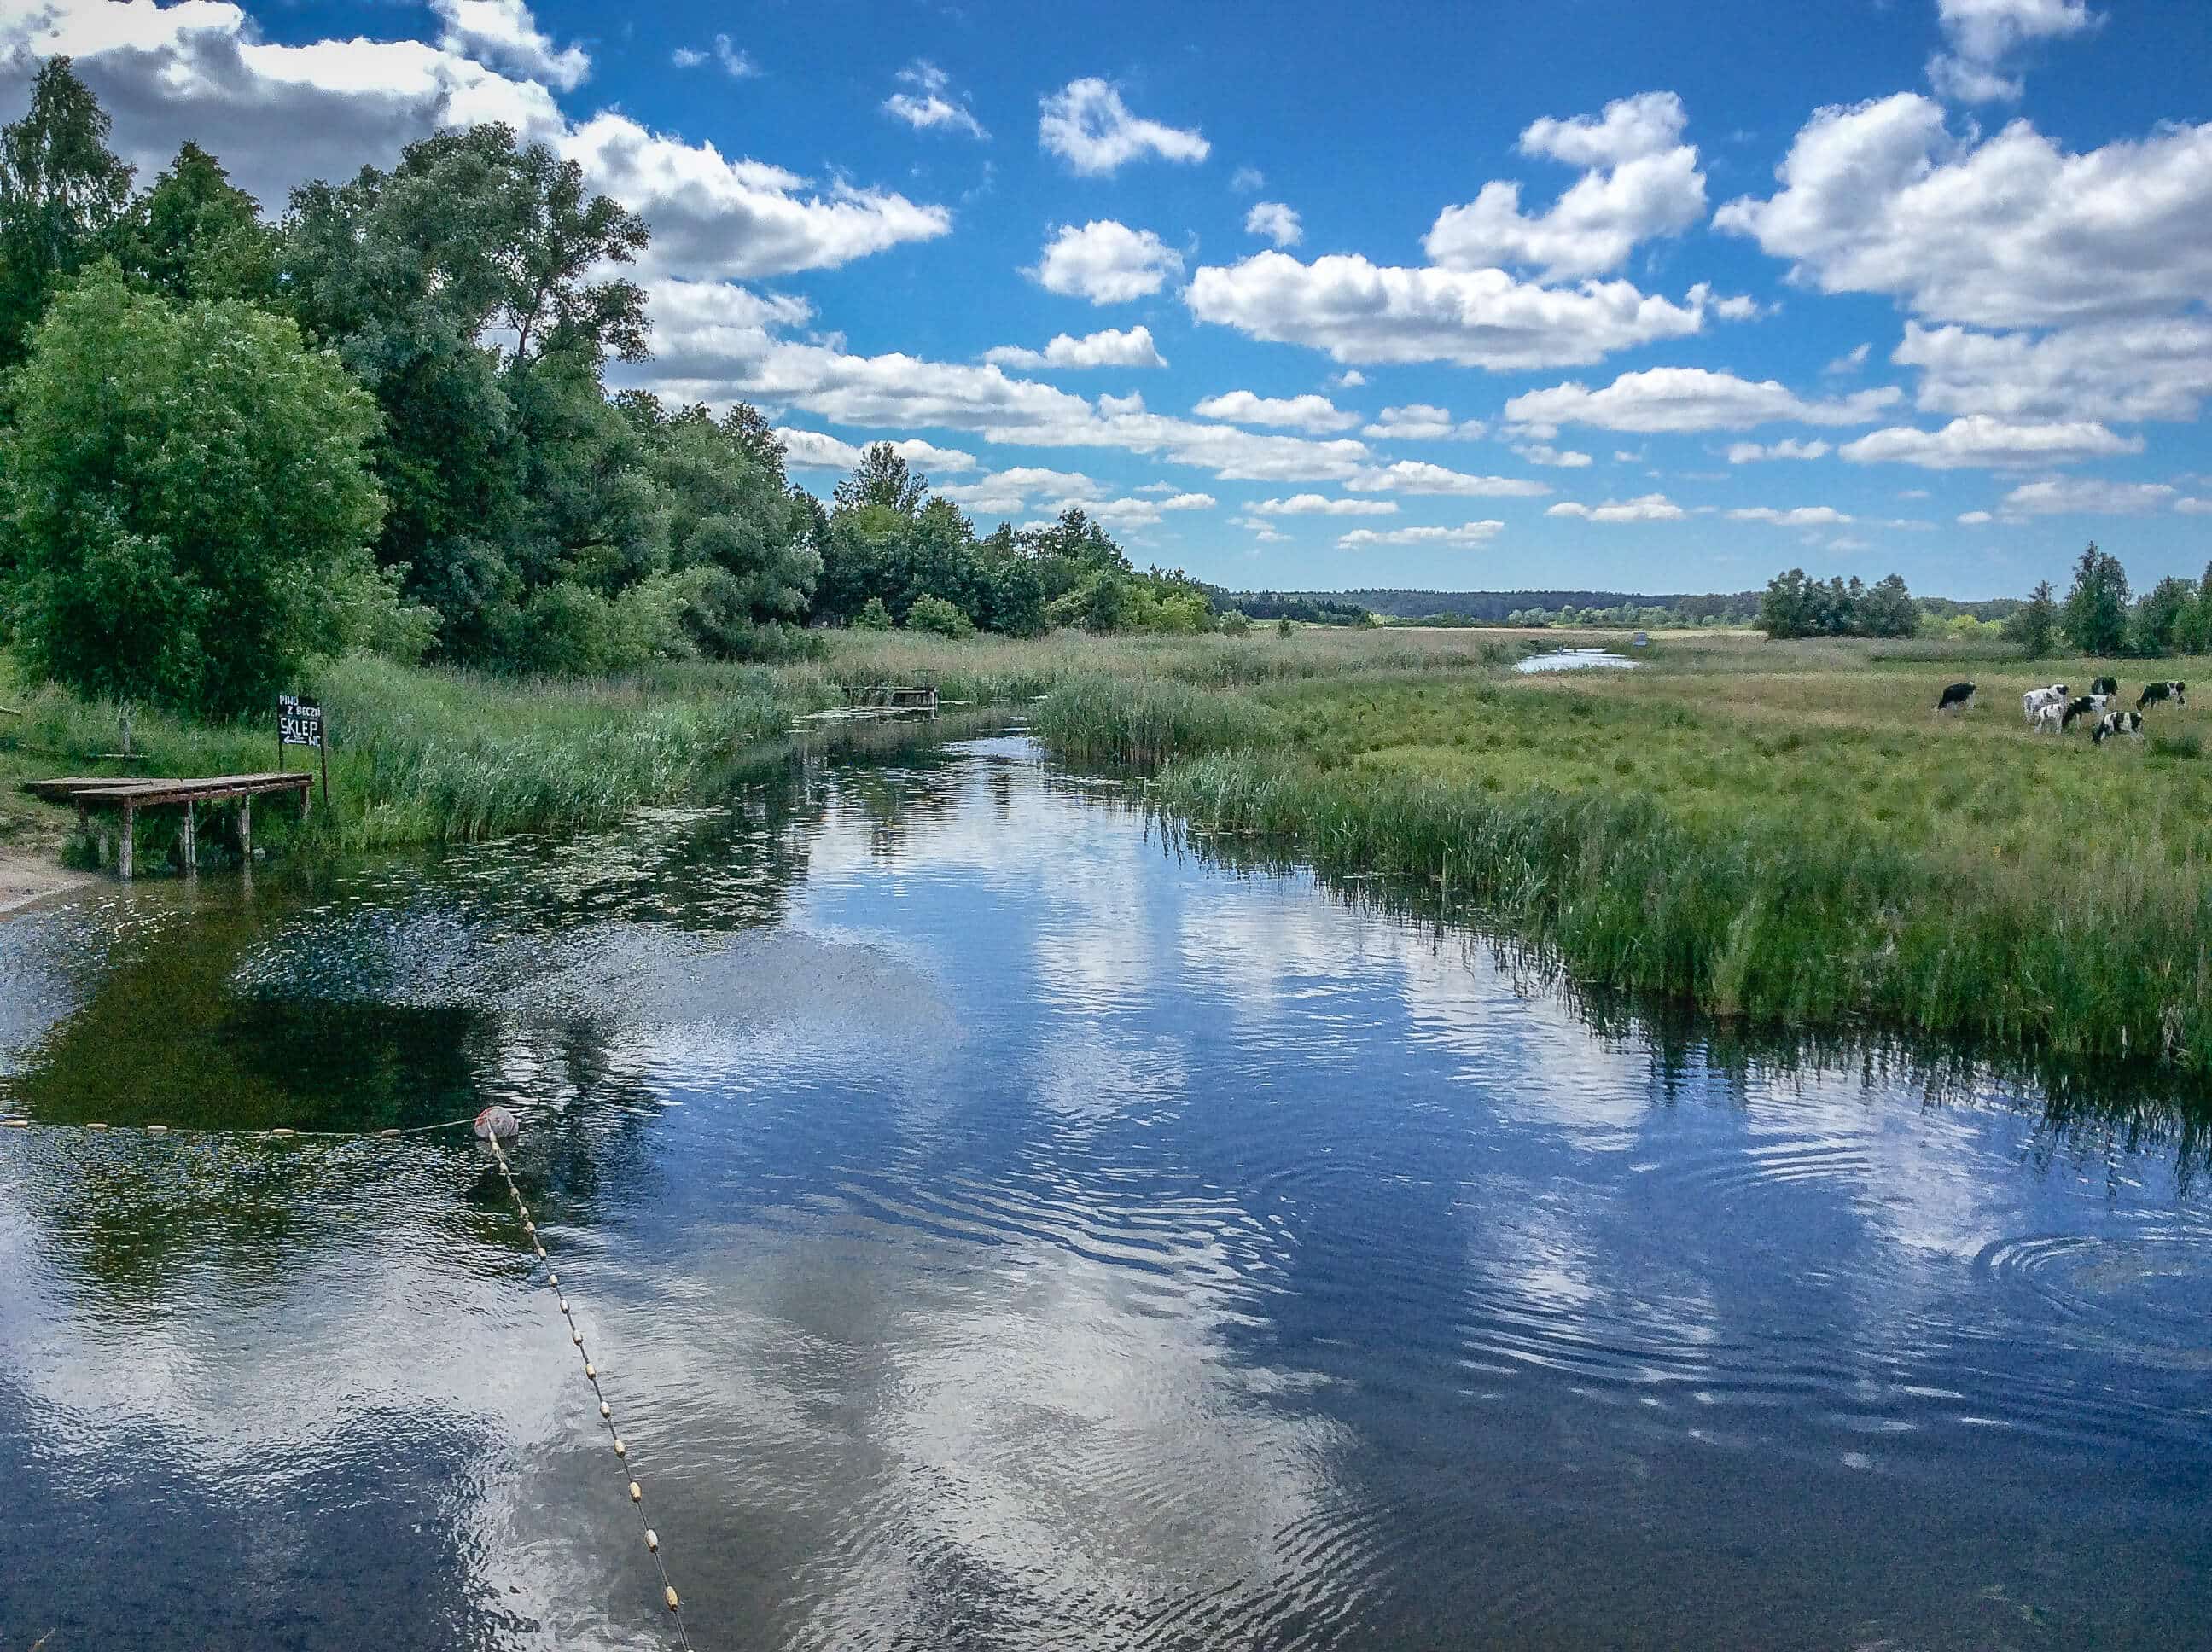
(1784, 832)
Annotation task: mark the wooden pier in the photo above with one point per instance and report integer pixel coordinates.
(89, 792)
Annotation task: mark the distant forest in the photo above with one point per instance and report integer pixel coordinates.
(1493, 607)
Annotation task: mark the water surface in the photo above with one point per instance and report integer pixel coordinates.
(1000, 1231)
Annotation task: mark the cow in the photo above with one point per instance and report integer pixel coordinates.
(2115, 723)
(2087, 705)
(1958, 696)
(2104, 685)
(2048, 716)
(2154, 692)
(2032, 702)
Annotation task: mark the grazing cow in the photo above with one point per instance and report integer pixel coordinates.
(2154, 692)
(2049, 717)
(2104, 685)
(2032, 702)
(2087, 705)
(1958, 696)
(2114, 723)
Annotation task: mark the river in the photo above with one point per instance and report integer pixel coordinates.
(1001, 1228)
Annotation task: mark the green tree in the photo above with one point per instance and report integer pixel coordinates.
(500, 485)
(872, 616)
(2035, 624)
(931, 613)
(1887, 609)
(196, 234)
(1282, 626)
(2195, 634)
(883, 478)
(61, 192)
(2156, 627)
(187, 497)
(2096, 612)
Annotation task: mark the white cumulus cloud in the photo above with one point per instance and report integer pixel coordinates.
(1689, 398)
(1110, 347)
(1641, 182)
(1422, 422)
(1321, 505)
(930, 102)
(1411, 476)
(1978, 441)
(1361, 312)
(2084, 497)
(1803, 516)
(811, 449)
(1649, 507)
(715, 216)
(2005, 232)
(1315, 414)
(1276, 222)
(502, 33)
(1750, 452)
(1537, 452)
(1087, 126)
(1985, 35)
(1468, 533)
(2147, 368)
(1106, 261)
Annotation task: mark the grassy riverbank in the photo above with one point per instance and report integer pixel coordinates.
(1781, 832)
(430, 756)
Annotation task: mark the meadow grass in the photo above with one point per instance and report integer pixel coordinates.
(1783, 832)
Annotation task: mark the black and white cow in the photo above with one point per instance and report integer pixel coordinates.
(2113, 723)
(2087, 705)
(2036, 701)
(2154, 692)
(1957, 697)
(2104, 685)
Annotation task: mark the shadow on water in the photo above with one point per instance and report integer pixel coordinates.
(1010, 1225)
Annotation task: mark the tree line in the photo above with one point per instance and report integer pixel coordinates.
(229, 445)
(2098, 616)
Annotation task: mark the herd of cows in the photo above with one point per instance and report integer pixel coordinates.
(2048, 710)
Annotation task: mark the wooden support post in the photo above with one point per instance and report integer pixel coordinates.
(307, 799)
(192, 839)
(246, 828)
(123, 848)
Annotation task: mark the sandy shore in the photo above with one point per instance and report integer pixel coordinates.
(29, 875)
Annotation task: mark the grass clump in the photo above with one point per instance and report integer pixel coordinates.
(1105, 720)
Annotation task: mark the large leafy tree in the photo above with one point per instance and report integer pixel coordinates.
(2158, 625)
(188, 501)
(2096, 612)
(61, 192)
(451, 286)
(196, 234)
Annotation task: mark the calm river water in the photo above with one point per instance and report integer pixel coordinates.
(999, 1231)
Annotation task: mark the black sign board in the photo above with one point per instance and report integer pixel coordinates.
(300, 722)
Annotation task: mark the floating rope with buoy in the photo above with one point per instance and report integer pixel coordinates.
(494, 1126)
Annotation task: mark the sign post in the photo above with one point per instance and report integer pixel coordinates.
(300, 722)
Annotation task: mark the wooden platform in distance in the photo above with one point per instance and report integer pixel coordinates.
(85, 790)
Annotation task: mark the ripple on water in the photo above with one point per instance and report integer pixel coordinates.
(2147, 1291)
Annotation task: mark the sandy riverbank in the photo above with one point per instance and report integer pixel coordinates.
(29, 875)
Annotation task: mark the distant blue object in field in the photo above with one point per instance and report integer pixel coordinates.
(497, 1124)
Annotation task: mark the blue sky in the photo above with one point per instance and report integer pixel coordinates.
(1608, 294)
